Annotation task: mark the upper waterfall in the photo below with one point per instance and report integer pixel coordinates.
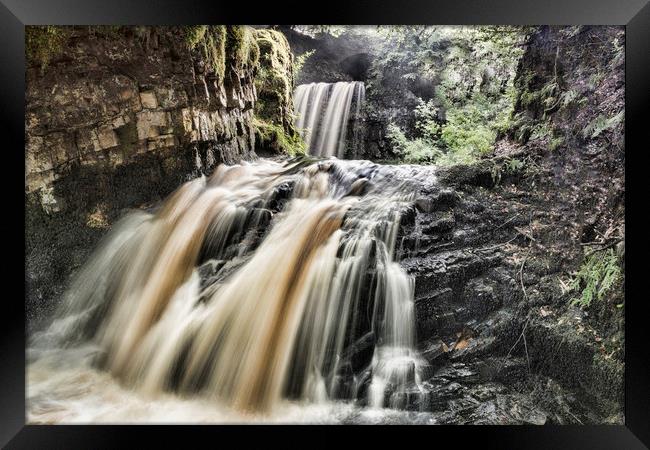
(324, 112)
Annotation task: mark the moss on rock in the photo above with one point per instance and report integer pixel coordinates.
(274, 138)
(211, 42)
(241, 46)
(274, 83)
(43, 43)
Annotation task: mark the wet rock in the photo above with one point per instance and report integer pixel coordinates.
(457, 371)
(358, 187)
(442, 225)
(411, 398)
(442, 199)
(480, 298)
(434, 351)
(359, 354)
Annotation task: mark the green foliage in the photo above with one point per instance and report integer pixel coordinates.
(468, 130)
(472, 69)
(555, 142)
(599, 272)
(110, 31)
(273, 136)
(300, 62)
(511, 166)
(547, 96)
(619, 52)
(315, 30)
(595, 79)
(568, 97)
(222, 45)
(43, 43)
(426, 120)
(602, 123)
(211, 41)
(527, 129)
(412, 151)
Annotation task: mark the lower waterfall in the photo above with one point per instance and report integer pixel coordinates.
(250, 288)
(323, 112)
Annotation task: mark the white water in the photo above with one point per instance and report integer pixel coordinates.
(139, 329)
(323, 115)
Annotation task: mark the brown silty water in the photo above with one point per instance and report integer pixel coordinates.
(244, 290)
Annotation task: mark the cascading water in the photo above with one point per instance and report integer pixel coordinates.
(323, 114)
(246, 290)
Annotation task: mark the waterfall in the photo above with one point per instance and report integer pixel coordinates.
(251, 286)
(323, 115)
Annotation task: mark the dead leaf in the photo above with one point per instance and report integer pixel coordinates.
(463, 343)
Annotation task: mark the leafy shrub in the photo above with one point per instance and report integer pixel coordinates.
(300, 61)
(466, 131)
(426, 120)
(412, 151)
(598, 274)
(469, 94)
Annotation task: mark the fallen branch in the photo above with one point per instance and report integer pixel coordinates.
(500, 245)
(603, 245)
(523, 233)
(521, 335)
(507, 221)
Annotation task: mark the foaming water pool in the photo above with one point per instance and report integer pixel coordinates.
(63, 388)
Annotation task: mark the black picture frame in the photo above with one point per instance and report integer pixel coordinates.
(15, 14)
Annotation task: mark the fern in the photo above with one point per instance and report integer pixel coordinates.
(597, 275)
(602, 123)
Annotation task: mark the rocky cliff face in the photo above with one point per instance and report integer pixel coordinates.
(111, 98)
(118, 117)
(275, 84)
(495, 247)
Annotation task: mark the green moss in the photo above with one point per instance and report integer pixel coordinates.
(241, 46)
(555, 143)
(274, 84)
(599, 273)
(274, 137)
(43, 43)
(211, 41)
(274, 81)
(110, 31)
(223, 46)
